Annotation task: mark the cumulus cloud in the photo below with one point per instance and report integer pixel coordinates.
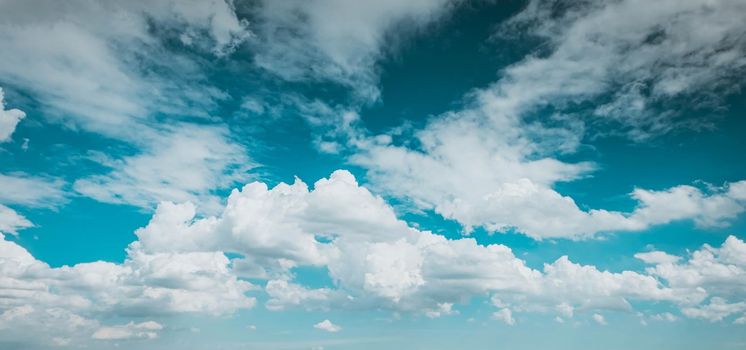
(68, 301)
(328, 326)
(719, 272)
(9, 119)
(374, 260)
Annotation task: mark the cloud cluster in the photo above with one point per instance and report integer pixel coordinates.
(496, 162)
(67, 302)
(462, 171)
(129, 72)
(376, 261)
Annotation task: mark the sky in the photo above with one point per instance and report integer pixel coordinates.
(347, 174)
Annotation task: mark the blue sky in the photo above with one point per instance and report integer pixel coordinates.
(430, 174)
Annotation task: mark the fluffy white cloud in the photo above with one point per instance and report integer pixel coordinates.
(283, 295)
(716, 310)
(714, 271)
(328, 326)
(374, 260)
(67, 301)
(9, 119)
(298, 40)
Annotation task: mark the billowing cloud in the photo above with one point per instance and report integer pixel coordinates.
(376, 261)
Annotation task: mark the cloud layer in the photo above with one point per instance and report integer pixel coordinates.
(376, 261)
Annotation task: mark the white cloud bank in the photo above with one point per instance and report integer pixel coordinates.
(376, 261)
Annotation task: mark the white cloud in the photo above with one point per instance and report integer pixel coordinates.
(328, 326)
(148, 330)
(68, 300)
(9, 119)
(298, 40)
(283, 295)
(504, 315)
(393, 269)
(182, 164)
(716, 310)
(493, 165)
(599, 319)
(100, 66)
(465, 174)
(26, 191)
(11, 221)
(643, 54)
(111, 68)
(374, 260)
(31, 191)
(657, 257)
(719, 272)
